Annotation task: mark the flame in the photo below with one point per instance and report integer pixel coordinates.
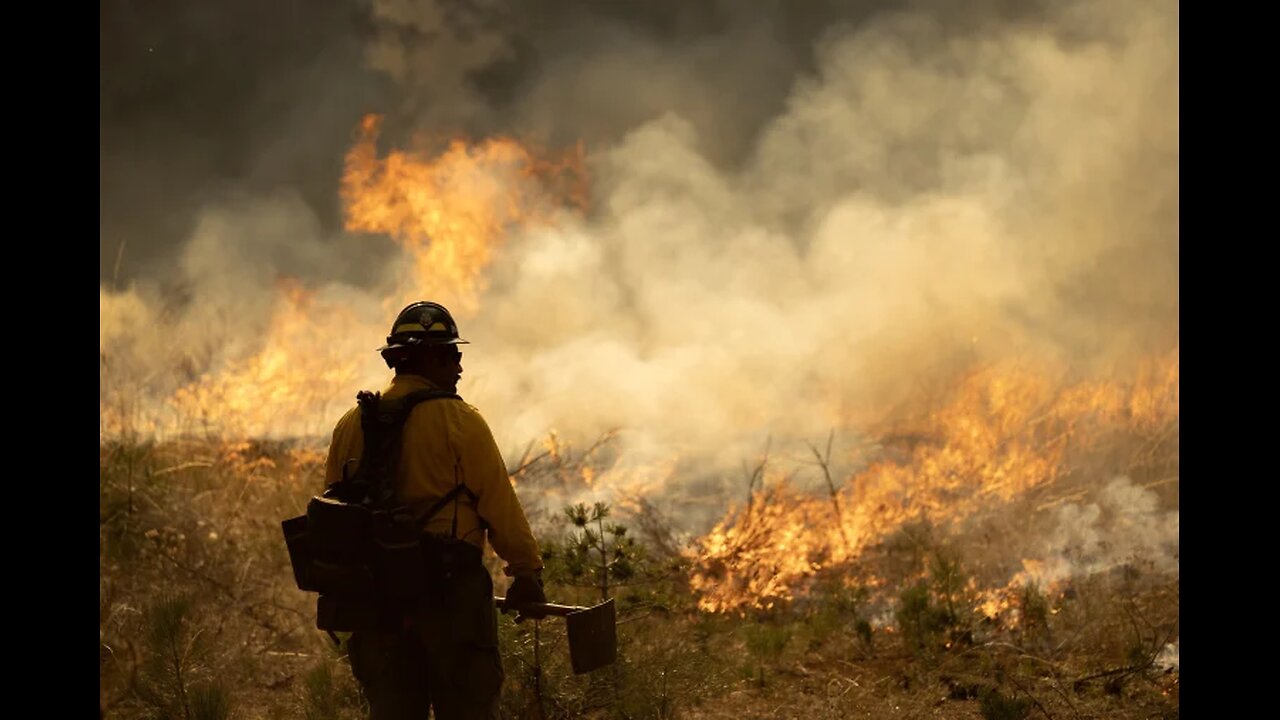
(451, 212)
(297, 368)
(1006, 431)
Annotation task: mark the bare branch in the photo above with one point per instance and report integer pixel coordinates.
(825, 463)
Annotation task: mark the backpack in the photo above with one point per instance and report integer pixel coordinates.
(356, 546)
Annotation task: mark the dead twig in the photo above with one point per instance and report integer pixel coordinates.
(1026, 692)
(756, 475)
(181, 467)
(526, 463)
(824, 462)
(1122, 672)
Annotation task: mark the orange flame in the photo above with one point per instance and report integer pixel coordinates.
(1005, 432)
(297, 369)
(451, 212)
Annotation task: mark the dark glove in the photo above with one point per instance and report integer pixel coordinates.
(524, 590)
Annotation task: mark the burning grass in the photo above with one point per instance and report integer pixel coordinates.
(1015, 554)
(1010, 548)
(1009, 459)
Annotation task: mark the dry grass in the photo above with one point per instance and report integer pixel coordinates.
(197, 523)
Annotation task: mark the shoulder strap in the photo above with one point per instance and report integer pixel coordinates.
(382, 424)
(459, 488)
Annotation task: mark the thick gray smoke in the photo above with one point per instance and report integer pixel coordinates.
(799, 216)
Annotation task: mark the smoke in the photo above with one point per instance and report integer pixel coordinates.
(1167, 660)
(222, 306)
(202, 103)
(800, 217)
(1123, 525)
(923, 201)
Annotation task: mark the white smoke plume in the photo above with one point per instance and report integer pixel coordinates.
(1124, 525)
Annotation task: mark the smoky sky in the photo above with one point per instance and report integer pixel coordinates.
(802, 213)
(201, 102)
(805, 216)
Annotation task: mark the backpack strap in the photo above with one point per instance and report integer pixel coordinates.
(460, 487)
(451, 496)
(382, 424)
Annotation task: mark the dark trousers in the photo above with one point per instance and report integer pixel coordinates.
(446, 659)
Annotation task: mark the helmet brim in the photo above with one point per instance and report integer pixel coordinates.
(423, 343)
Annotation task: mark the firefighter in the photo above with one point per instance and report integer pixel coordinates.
(445, 653)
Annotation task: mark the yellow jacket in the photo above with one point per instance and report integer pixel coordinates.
(440, 435)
